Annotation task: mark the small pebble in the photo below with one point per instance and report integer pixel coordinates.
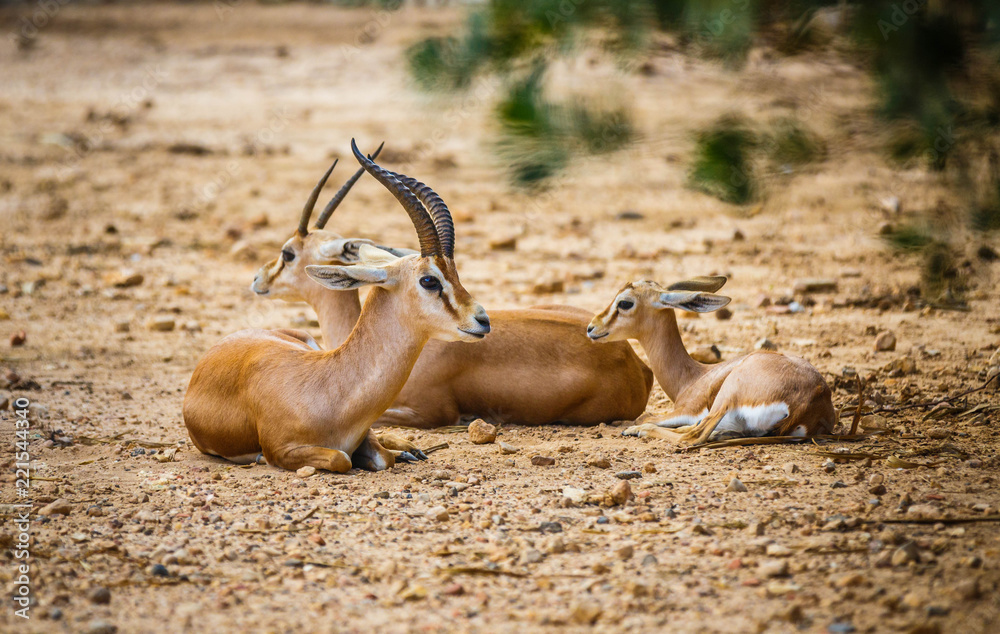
(543, 461)
(628, 475)
(306, 471)
(99, 595)
(736, 486)
(507, 448)
(600, 462)
(885, 341)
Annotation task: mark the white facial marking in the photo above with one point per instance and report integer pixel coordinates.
(799, 431)
(752, 421)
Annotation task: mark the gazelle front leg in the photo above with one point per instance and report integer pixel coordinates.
(294, 458)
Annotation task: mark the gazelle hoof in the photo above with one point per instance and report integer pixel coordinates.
(639, 431)
(406, 456)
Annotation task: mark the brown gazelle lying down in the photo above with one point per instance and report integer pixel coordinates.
(265, 391)
(536, 367)
(762, 393)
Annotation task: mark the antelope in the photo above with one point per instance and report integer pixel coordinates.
(260, 391)
(762, 393)
(536, 367)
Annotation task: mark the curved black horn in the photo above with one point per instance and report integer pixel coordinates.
(342, 193)
(430, 243)
(438, 210)
(311, 203)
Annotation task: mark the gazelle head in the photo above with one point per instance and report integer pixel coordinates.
(426, 283)
(285, 276)
(633, 306)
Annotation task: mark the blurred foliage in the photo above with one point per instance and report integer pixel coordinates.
(791, 143)
(539, 136)
(722, 165)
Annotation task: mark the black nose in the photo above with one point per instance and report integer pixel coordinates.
(590, 329)
(483, 320)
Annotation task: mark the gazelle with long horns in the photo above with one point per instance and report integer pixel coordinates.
(260, 391)
(759, 394)
(536, 367)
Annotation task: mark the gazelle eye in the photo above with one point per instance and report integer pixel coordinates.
(430, 282)
(625, 304)
(287, 255)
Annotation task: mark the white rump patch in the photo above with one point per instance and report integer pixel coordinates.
(682, 421)
(759, 420)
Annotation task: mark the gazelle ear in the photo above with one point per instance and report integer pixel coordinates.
(343, 250)
(399, 252)
(695, 302)
(345, 278)
(375, 256)
(704, 283)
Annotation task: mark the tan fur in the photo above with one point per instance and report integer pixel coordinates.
(537, 366)
(760, 378)
(268, 391)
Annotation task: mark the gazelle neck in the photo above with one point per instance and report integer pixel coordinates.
(673, 367)
(370, 368)
(337, 312)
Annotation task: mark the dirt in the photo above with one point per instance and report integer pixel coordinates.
(178, 142)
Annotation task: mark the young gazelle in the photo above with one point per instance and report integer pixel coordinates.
(762, 393)
(536, 367)
(264, 391)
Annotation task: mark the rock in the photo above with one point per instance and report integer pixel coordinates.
(829, 466)
(413, 593)
(629, 214)
(158, 570)
(967, 590)
(191, 326)
(850, 580)
(765, 344)
(481, 432)
(58, 507)
(772, 568)
(306, 471)
(939, 433)
(600, 462)
(100, 627)
(543, 461)
(504, 244)
(649, 467)
(756, 529)
(913, 600)
(18, 338)
(532, 556)
(723, 314)
(160, 323)
(126, 279)
(885, 341)
(99, 595)
(815, 285)
(923, 510)
(650, 560)
(706, 354)
(94, 511)
(791, 468)
(625, 552)
(441, 474)
(507, 448)
(577, 496)
(736, 486)
(621, 493)
(122, 326)
(876, 479)
(438, 514)
(905, 554)
(878, 489)
(546, 288)
(585, 613)
(777, 550)
(628, 475)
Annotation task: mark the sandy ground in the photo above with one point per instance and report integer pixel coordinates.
(178, 143)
